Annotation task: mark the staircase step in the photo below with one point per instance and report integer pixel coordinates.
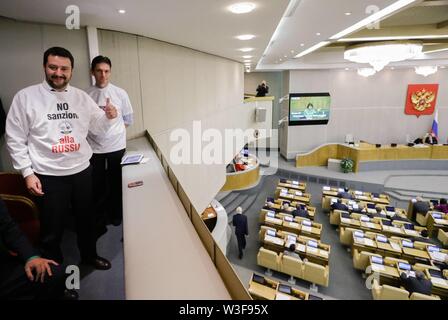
(229, 199)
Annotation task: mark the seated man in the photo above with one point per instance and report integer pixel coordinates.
(27, 275)
(345, 194)
(420, 206)
(379, 212)
(292, 252)
(443, 206)
(339, 205)
(301, 211)
(430, 138)
(270, 206)
(417, 284)
(424, 237)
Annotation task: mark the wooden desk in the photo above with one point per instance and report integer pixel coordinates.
(259, 291)
(305, 198)
(369, 152)
(301, 186)
(365, 196)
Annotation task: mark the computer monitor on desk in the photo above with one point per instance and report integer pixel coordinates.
(313, 243)
(407, 244)
(375, 195)
(371, 206)
(390, 209)
(404, 266)
(270, 233)
(377, 260)
(313, 297)
(258, 279)
(283, 288)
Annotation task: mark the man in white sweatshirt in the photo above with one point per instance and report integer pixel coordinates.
(46, 134)
(108, 148)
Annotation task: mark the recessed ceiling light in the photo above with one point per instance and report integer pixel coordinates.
(246, 49)
(247, 60)
(348, 13)
(247, 57)
(292, 51)
(443, 67)
(245, 37)
(347, 69)
(242, 7)
(280, 59)
(122, 11)
(302, 44)
(392, 68)
(318, 34)
(286, 56)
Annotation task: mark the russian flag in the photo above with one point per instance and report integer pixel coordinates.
(435, 125)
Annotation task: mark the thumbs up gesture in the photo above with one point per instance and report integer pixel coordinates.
(111, 111)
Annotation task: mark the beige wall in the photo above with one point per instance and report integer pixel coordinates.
(21, 54)
(275, 83)
(372, 109)
(176, 86)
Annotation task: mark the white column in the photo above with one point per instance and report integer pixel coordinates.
(92, 39)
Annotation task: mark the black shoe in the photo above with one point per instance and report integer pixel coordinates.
(70, 295)
(115, 222)
(240, 256)
(98, 263)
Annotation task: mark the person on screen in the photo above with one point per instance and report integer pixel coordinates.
(262, 89)
(309, 111)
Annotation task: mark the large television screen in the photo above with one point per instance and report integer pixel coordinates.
(309, 108)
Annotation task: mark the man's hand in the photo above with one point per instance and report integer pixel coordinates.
(41, 266)
(111, 111)
(33, 185)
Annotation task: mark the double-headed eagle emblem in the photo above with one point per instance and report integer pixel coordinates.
(422, 99)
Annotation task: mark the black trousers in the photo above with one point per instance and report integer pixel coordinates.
(107, 187)
(62, 195)
(15, 285)
(241, 239)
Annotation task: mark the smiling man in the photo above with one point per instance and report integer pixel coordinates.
(46, 133)
(108, 148)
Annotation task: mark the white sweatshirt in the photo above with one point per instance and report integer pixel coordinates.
(115, 138)
(46, 130)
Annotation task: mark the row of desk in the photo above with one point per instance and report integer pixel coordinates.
(389, 271)
(263, 288)
(307, 247)
(286, 222)
(369, 197)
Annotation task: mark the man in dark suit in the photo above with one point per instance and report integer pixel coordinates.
(338, 205)
(24, 274)
(301, 211)
(241, 230)
(417, 284)
(345, 194)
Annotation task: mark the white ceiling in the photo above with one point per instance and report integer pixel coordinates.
(328, 18)
(207, 25)
(204, 25)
